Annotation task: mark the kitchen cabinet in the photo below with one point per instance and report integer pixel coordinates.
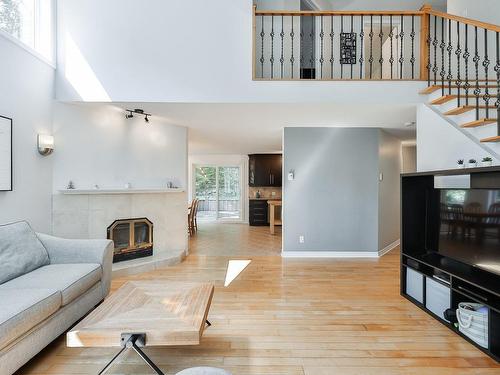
(258, 213)
(265, 170)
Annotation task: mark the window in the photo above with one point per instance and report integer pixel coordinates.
(31, 22)
(455, 196)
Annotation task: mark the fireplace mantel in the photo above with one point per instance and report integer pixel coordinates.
(119, 191)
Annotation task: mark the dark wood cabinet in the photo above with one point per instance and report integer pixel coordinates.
(265, 170)
(257, 214)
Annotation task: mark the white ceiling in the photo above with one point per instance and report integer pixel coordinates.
(253, 128)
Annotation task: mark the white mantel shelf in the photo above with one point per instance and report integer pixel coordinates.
(118, 191)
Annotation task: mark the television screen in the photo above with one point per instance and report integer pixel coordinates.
(470, 227)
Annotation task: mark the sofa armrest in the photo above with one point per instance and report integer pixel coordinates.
(64, 251)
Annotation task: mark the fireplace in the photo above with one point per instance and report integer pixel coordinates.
(133, 238)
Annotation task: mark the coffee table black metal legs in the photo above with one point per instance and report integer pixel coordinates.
(133, 341)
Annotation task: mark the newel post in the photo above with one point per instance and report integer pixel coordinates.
(424, 44)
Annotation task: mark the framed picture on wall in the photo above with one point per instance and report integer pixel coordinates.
(5, 153)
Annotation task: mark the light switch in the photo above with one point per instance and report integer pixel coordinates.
(381, 177)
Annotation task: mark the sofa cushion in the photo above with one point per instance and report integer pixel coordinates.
(72, 280)
(20, 251)
(22, 309)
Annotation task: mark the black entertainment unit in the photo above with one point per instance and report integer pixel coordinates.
(450, 245)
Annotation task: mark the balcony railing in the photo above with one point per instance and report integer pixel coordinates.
(460, 55)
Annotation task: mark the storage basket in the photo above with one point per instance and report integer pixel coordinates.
(473, 323)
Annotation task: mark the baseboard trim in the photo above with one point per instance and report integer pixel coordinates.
(340, 254)
(329, 254)
(389, 248)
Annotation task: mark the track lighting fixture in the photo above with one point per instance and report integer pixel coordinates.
(137, 111)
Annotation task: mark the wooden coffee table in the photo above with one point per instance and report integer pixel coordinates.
(146, 314)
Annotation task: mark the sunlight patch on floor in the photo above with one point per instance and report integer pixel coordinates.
(234, 268)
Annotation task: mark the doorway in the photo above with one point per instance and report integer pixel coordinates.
(219, 191)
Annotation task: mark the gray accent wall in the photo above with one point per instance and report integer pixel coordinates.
(336, 200)
(333, 200)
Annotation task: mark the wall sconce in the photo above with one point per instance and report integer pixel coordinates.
(45, 144)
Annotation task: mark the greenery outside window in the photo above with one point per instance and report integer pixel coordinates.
(30, 22)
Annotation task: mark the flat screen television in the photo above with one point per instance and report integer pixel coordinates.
(469, 227)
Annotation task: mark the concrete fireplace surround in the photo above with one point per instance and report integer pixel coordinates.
(87, 214)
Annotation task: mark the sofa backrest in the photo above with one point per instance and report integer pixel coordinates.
(20, 251)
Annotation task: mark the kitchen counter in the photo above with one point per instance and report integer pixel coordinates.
(265, 199)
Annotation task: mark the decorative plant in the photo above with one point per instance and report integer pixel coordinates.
(487, 159)
(460, 162)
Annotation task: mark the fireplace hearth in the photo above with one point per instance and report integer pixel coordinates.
(133, 238)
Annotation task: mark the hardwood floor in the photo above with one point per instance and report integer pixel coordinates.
(297, 317)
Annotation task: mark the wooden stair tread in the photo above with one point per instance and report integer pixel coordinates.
(434, 88)
(480, 122)
(444, 99)
(465, 108)
(491, 139)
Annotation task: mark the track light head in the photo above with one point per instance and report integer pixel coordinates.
(129, 115)
(146, 119)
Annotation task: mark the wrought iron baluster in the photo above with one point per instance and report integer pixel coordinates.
(391, 36)
(458, 53)
(442, 73)
(381, 37)
(370, 60)
(332, 34)
(262, 35)
(497, 70)
(271, 59)
(412, 58)
(301, 35)
(429, 43)
(312, 35)
(449, 77)
(435, 45)
(352, 32)
(466, 60)
(292, 58)
(321, 58)
(361, 58)
(476, 59)
(340, 57)
(282, 57)
(486, 64)
(401, 42)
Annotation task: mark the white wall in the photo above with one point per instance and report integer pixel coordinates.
(97, 145)
(148, 54)
(482, 10)
(26, 95)
(409, 158)
(222, 160)
(440, 145)
(389, 156)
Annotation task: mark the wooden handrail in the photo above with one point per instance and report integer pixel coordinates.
(483, 25)
(425, 10)
(337, 12)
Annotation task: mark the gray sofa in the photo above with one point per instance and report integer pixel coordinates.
(46, 285)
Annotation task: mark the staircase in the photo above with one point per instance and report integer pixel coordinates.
(476, 121)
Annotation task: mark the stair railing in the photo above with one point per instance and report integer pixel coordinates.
(339, 45)
(465, 53)
(449, 51)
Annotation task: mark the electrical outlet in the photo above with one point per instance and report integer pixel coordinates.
(301, 239)
(273, 193)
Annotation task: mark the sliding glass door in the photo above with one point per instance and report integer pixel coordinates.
(218, 189)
